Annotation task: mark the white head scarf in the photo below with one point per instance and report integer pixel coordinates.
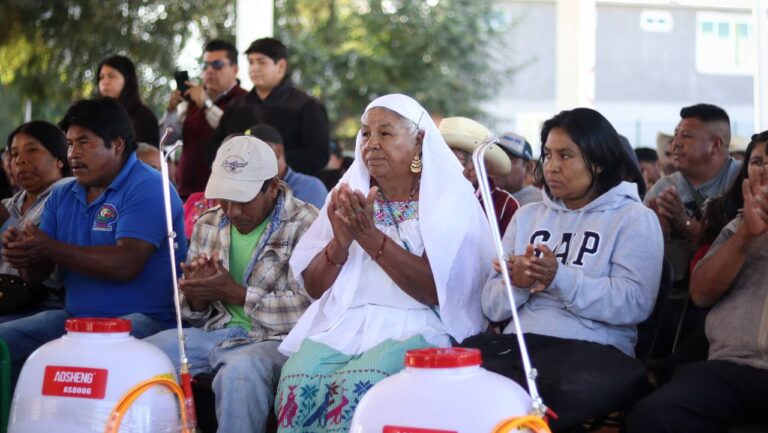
(453, 227)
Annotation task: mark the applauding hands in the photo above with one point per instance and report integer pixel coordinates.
(351, 214)
(206, 279)
(23, 247)
(530, 271)
(755, 190)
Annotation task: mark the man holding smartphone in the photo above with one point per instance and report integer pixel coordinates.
(195, 112)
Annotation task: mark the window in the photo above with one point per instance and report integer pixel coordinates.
(656, 21)
(723, 44)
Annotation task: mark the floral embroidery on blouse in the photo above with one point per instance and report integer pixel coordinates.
(384, 211)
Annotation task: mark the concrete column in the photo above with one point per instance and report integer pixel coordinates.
(575, 53)
(255, 19)
(760, 82)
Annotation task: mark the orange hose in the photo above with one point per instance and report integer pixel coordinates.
(532, 422)
(125, 402)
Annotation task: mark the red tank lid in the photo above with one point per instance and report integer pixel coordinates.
(443, 358)
(97, 325)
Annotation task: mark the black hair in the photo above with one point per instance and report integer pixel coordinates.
(599, 144)
(222, 45)
(633, 173)
(266, 133)
(705, 113)
(129, 96)
(720, 211)
(270, 47)
(50, 136)
(106, 117)
(646, 154)
(266, 185)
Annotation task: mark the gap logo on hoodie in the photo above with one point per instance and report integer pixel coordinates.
(589, 245)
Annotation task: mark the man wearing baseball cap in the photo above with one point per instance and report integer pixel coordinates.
(237, 289)
(463, 136)
(520, 156)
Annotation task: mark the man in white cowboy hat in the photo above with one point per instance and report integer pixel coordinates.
(463, 136)
(238, 292)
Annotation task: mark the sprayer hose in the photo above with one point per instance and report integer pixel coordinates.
(125, 402)
(532, 422)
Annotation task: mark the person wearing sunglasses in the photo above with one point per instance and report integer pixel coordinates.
(299, 118)
(196, 112)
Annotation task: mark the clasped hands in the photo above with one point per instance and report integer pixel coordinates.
(755, 205)
(23, 247)
(206, 279)
(671, 209)
(351, 215)
(530, 272)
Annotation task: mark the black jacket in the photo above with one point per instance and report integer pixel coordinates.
(145, 126)
(300, 119)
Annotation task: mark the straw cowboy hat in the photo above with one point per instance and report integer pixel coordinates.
(466, 134)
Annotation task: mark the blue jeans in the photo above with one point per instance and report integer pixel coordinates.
(246, 372)
(25, 335)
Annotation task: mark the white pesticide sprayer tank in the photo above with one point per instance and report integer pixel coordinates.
(72, 384)
(441, 391)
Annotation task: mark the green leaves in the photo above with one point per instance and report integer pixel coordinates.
(347, 52)
(50, 49)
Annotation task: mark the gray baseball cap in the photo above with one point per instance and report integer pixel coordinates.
(516, 145)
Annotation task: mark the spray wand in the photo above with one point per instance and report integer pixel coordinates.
(185, 379)
(539, 409)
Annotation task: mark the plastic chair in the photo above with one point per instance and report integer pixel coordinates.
(648, 331)
(648, 334)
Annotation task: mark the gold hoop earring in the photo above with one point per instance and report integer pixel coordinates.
(416, 165)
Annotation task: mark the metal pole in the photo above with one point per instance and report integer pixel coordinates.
(485, 190)
(254, 19)
(185, 380)
(760, 81)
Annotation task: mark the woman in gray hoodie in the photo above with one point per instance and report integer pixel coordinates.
(585, 265)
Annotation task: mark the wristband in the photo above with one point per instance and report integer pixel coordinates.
(381, 249)
(331, 262)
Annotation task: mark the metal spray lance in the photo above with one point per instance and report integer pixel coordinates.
(485, 190)
(184, 377)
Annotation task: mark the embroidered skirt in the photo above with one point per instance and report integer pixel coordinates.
(320, 387)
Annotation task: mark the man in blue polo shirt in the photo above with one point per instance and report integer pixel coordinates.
(106, 231)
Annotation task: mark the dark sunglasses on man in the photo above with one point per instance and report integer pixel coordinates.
(216, 65)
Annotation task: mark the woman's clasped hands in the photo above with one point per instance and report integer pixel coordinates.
(351, 214)
(529, 271)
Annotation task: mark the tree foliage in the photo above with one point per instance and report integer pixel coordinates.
(49, 49)
(347, 52)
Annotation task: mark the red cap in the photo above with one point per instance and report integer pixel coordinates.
(97, 325)
(443, 358)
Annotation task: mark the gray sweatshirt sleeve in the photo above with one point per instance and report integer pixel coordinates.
(494, 297)
(627, 294)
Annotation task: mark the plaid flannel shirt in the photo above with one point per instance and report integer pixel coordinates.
(274, 300)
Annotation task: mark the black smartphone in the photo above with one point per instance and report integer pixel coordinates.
(181, 78)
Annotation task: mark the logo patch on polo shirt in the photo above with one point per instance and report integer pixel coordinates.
(105, 218)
